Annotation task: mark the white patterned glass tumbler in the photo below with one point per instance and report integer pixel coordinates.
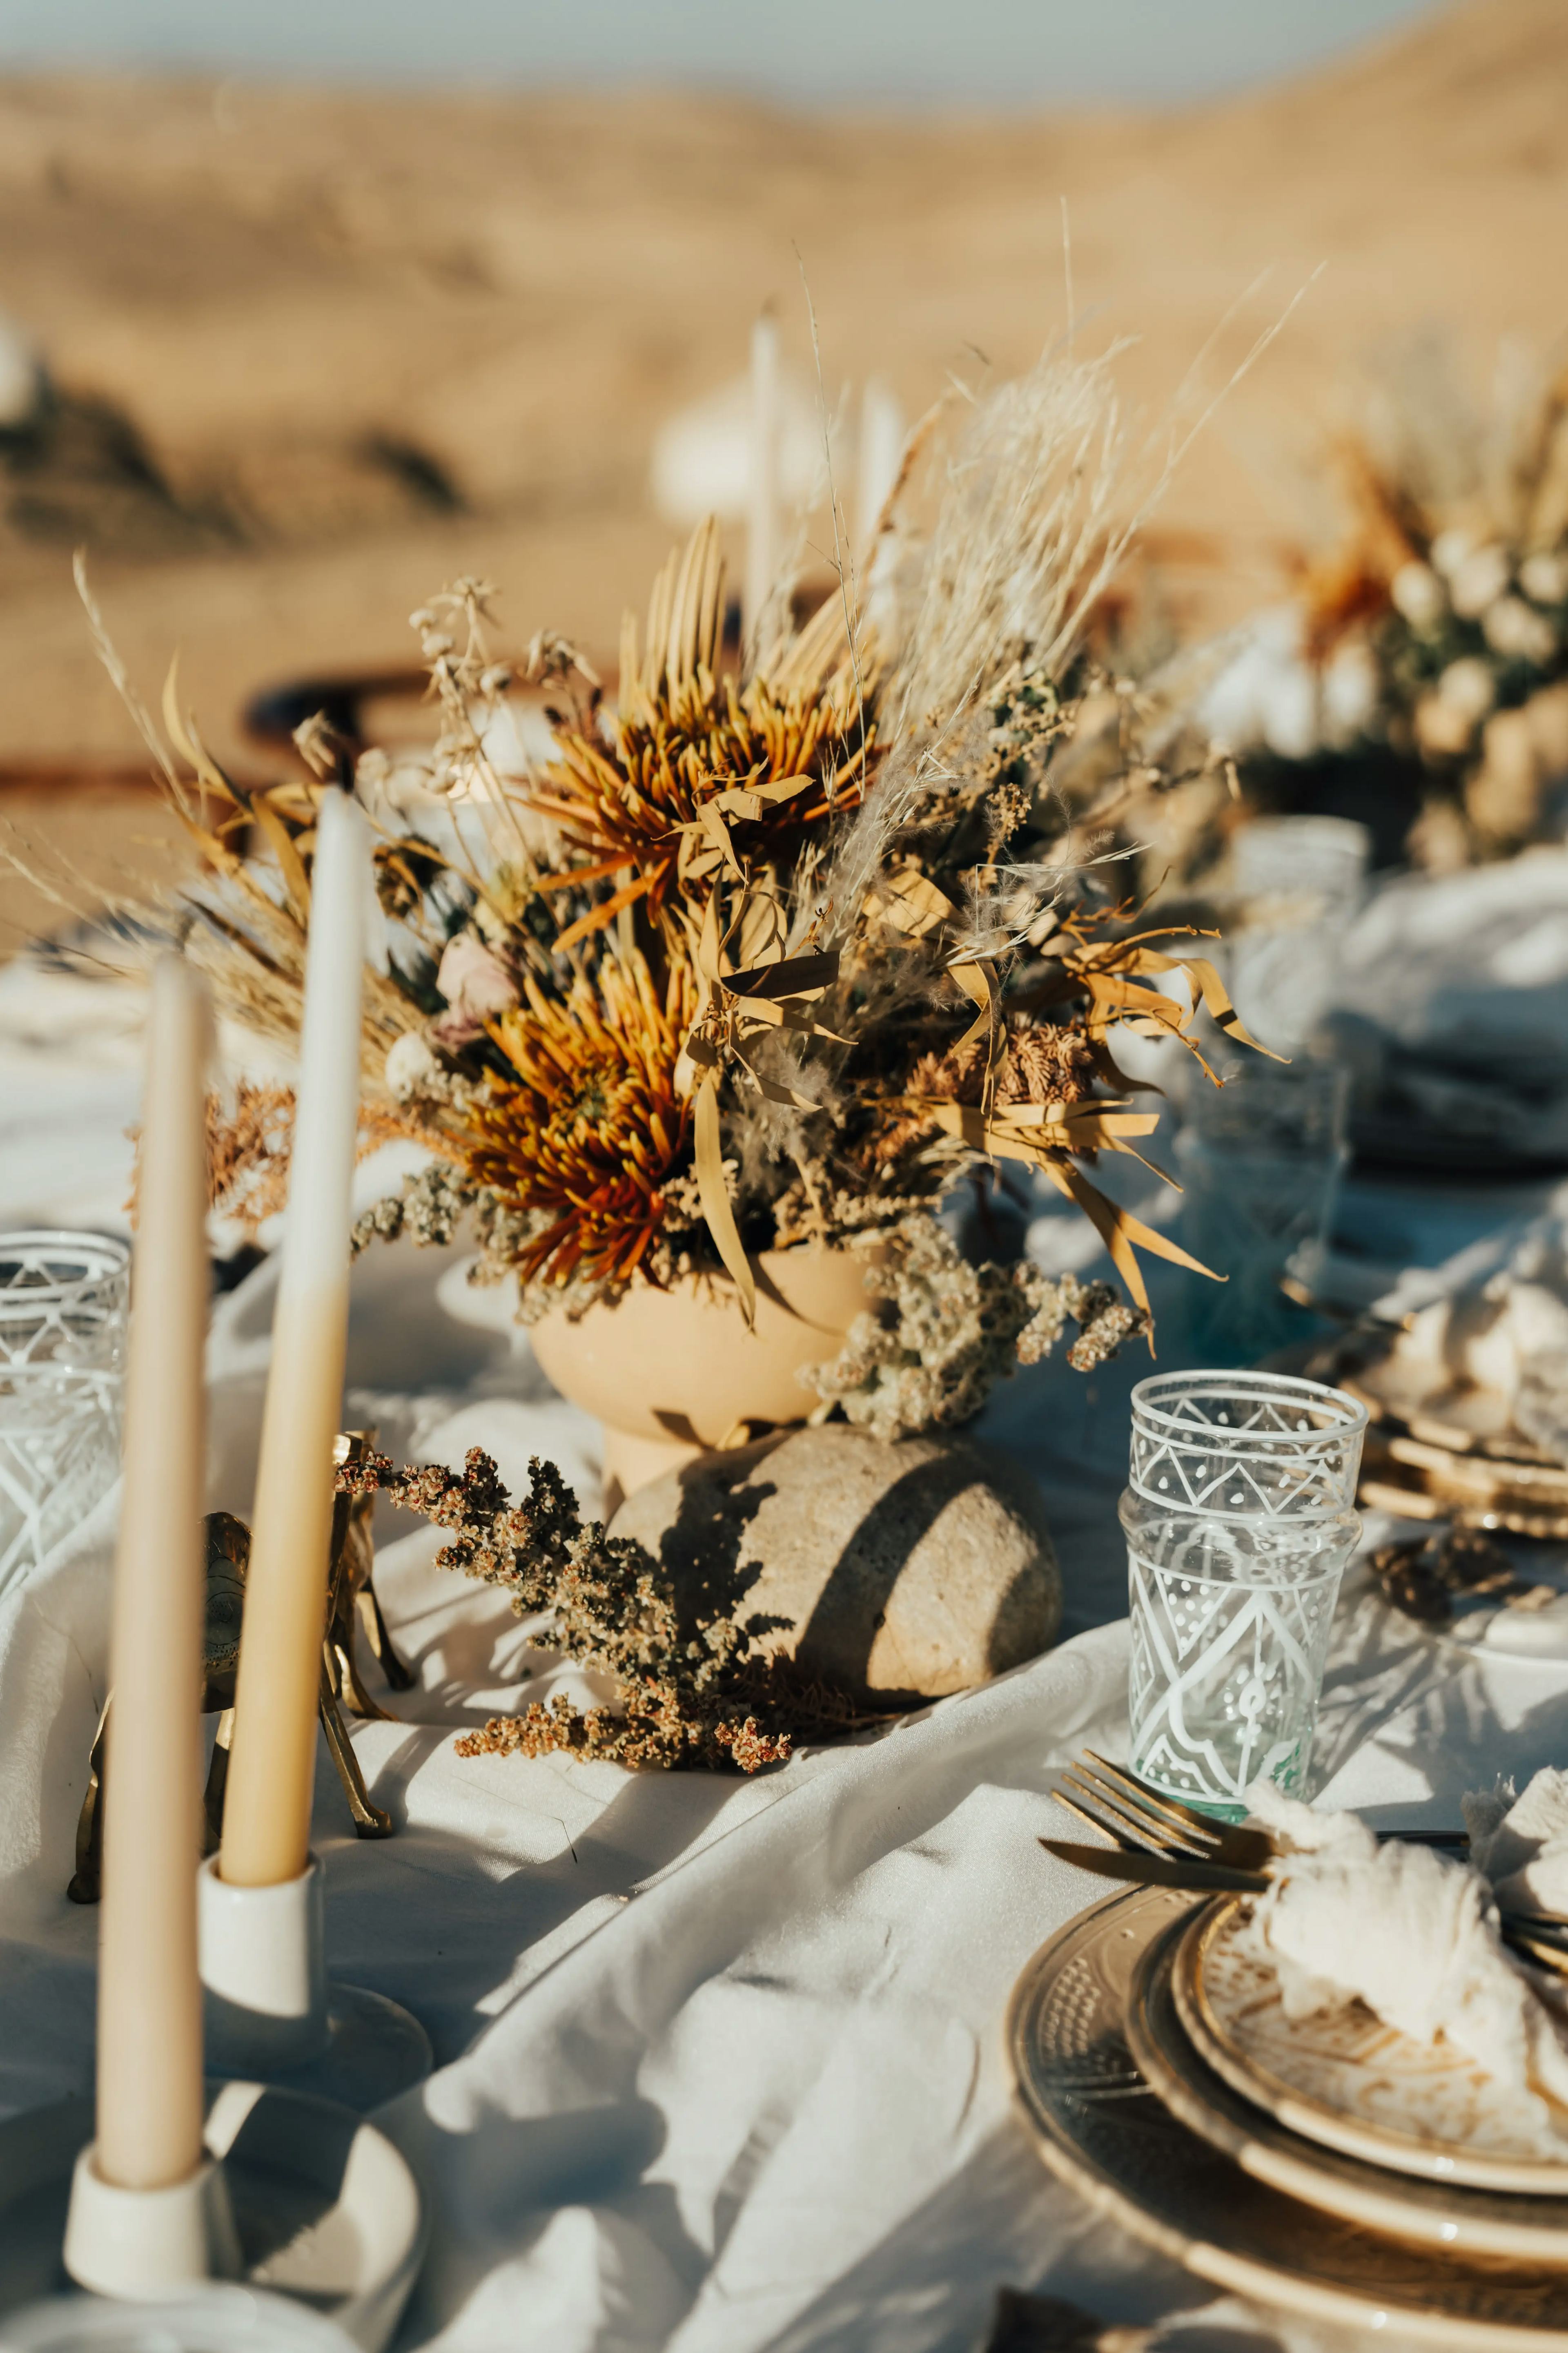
(64, 1301)
(64, 1298)
(60, 1455)
(1240, 1519)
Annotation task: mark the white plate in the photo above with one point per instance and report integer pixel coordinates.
(1481, 2222)
(1345, 2080)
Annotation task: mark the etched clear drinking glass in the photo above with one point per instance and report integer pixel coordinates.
(1261, 1159)
(1239, 1518)
(64, 1298)
(64, 1302)
(59, 1454)
(1301, 882)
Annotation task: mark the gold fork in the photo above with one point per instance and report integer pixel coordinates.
(1147, 1821)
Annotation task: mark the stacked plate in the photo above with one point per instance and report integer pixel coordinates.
(1439, 1448)
(1328, 2166)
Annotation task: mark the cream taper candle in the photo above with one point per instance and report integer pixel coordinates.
(150, 2103)
(271, 1768)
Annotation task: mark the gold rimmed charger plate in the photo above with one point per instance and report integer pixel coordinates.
(1481, 2222)
(1102, 2129)
(1344, 2080)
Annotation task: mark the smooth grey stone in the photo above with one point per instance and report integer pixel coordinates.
(888, 1572)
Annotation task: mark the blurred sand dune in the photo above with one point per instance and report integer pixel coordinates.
(352, 346)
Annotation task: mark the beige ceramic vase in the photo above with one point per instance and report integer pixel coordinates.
(672, 1374)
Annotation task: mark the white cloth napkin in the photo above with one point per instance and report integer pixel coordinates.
(1469, 970)
(1413, 1934)
(1479, 1316)
(1450, 1002)
(1521, 1844)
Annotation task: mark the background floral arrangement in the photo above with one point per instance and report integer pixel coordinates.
(767, 956)
(1435, 636)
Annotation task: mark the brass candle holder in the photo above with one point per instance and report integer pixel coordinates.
(353, 1609)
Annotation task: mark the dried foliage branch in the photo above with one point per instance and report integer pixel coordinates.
(686, 1692)
(250, 1143)
(946, 1332)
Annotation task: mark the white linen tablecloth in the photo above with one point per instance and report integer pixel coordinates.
(719, 2063)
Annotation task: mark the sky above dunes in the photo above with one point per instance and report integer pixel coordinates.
(854, 52)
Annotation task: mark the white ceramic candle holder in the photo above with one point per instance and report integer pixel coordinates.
(142, 2242)
(272, 2015)
(310, 2202)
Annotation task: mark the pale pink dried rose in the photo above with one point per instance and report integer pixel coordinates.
(477, 987)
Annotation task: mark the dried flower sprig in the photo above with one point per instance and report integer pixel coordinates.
(250, 1144)
(250, 1141)
(947, 1331)
(686, 1692)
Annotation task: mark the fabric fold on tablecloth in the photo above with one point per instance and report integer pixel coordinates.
(779, 2064)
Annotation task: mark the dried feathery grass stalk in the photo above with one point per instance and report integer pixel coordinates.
(61, 884)
(1024, 539)
(467, 683)
(1044, 497)
(1036, 505)
(849, 598)
(103, 646)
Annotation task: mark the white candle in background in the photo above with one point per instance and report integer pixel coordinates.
(271, 1771)
(150, 2103)
(762, 524)
(881, 453)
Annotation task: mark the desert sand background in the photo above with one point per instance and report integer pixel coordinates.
(317, 352)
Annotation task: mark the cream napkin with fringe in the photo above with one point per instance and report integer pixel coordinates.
(1413, 1933)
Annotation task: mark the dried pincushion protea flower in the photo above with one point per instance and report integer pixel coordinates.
(691, 758)
(686, 1694)
(587, 1125)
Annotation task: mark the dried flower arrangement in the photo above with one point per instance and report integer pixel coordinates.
(758, 959)
(1436, 636)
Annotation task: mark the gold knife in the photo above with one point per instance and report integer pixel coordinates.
(1160, 1870)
